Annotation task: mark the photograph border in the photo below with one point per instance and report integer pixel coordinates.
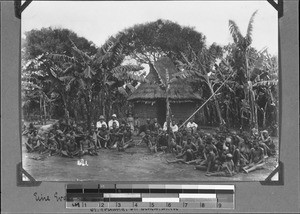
(12, 194)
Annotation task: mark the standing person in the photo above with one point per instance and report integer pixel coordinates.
(192, 125)
(101, 122)
(137, 125)
(113, 120)
(130, 122)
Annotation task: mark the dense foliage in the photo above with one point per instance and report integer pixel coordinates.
(64, 75)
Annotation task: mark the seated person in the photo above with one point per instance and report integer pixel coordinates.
(113, 121)
(227, 168)
(148, 139)
(209, 145)
(200, 146)
(192, 125)
(87, 147)
(52, 144)
(102, 137)
(173, 126)
(60, 139)
(267, 140)
(145, 127)
(257, 160)
(33, 142)
(120, 141)
(155, 126)
(174, 147)
(29, 130)
(209, 164)
(72, 149)
(127, 135)
(162, 140)
(114, 136)
(187, 153)
(101, 122)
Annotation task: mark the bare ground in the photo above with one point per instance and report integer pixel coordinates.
(135, 164)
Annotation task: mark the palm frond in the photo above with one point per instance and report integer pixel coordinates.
(62, 58)
(235, 32)
(81, 53)
(119, 71)
(250, 29)
(266, 83)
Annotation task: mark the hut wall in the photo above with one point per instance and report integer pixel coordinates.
(182, 111)
(144, 111)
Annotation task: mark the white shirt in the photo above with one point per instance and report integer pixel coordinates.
(110, 123)
(192, 125)
(99, 124)
(174, 128)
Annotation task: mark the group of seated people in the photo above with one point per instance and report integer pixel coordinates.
(219, 153)
(62, 140)
(70, 140)
(222, 153)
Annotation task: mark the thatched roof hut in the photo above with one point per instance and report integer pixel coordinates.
(150, 97)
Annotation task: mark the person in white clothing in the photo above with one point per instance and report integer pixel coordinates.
(101, 122)
(173, 126)
(113, 119)
(192, 125)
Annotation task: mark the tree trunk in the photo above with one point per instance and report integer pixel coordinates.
(65, 108)
(88, 112)
(41, 110)
(45, 111)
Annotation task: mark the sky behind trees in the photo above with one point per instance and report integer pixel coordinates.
(97, 20)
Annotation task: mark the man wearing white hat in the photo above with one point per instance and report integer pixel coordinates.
(101, 122)
(113, 119)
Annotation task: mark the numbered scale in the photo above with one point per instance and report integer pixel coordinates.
(87, 196)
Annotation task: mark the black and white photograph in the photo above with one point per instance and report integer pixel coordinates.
(149, 91)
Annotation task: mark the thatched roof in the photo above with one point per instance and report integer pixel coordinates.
(180, 90)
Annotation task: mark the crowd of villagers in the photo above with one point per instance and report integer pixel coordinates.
(221, 153)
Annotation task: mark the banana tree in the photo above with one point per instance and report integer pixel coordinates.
(242, 63)
(90, 76)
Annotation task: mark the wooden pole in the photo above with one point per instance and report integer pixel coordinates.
(168, 105)
(205, 101)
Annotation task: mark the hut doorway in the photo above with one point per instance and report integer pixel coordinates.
(161, 111)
